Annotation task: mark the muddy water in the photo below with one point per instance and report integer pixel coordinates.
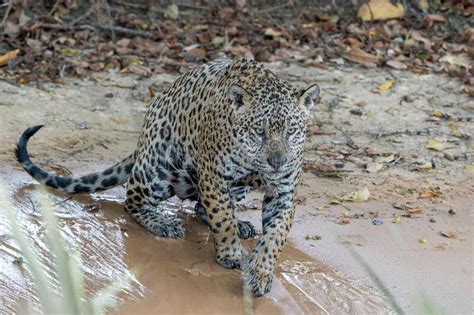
(171, 276)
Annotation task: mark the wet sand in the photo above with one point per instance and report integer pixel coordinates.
(172, 276)
(86, 131)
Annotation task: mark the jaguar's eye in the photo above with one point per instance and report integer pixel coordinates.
(259, 131)
(292, 131)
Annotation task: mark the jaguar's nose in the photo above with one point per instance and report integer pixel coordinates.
(277, 160)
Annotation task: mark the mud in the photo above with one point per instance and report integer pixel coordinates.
(93, 123)
(171, 276)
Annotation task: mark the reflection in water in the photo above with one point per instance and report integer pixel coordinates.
(173, 276)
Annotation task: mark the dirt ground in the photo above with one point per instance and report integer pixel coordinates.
(414, 231)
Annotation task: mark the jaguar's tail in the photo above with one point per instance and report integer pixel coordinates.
(112, 176)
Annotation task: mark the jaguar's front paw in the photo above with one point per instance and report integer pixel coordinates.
(229, 263)
(256, 279)
(229, 255)
(246, 229)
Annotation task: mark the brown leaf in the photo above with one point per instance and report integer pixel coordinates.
(124, 42)
(430, 19)
(353, 42)
(320, 167)
(380, 10)
(395, 64)
(197, 52)
(468, 35)
(418, 37)
(359, 56)
(6, 57)
(98, 66)
(414, 210)
(11, 28)
(451, 234)
(430, 194)
(343, 221)
(137, 69)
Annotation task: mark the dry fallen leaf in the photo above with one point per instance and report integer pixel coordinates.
(396, 220)
(425, 166)
(172, 11)
(343, 221)
(434, 145)
(430, 194)
(380, 10)
(459, 134)
(73, 143)
(70, 51)
(459, 60)
(386, 159)
(119, 119)
(414, 210)
(453, 235)
(271, 32)
(360, 196)
(359, 56)
(137, 69)
(395, 64)
(23, 80)
(469, 168)
(7, 56)
(435, 18)
(422, 4)
(385, 86)
(374, 167)
(423, 240)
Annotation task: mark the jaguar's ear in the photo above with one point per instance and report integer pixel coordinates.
(239, 98)
(307, 97)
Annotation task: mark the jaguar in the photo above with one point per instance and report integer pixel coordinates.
(219, 130)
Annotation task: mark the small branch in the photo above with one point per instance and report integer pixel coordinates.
(7, 12)
(97, 26)
(403, 131)
(350, 143)
(82, 17)
(270, 9)
(62, 201)
(144, 7)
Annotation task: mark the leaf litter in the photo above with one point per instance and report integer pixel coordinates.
(62, 42)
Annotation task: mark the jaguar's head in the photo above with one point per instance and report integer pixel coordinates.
(270, 123)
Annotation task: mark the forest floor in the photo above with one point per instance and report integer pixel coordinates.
(388, 175)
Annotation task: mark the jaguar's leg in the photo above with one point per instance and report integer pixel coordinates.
(277, 218)
(246, 229)
(144, 194)
(219, 211)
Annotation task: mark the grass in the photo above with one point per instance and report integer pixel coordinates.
(67, 295)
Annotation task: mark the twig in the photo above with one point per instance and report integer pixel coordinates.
(403, 131)
(120, 29)
(32, 204)
(109, 13)
(144, 7)
(7, 12)
(62, 201)
(272, 8)
(350, 143)
(102, 27)
(82, 17)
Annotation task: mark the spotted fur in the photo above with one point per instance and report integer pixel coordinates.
(219, 129)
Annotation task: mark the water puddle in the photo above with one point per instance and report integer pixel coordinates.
(172, 276)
